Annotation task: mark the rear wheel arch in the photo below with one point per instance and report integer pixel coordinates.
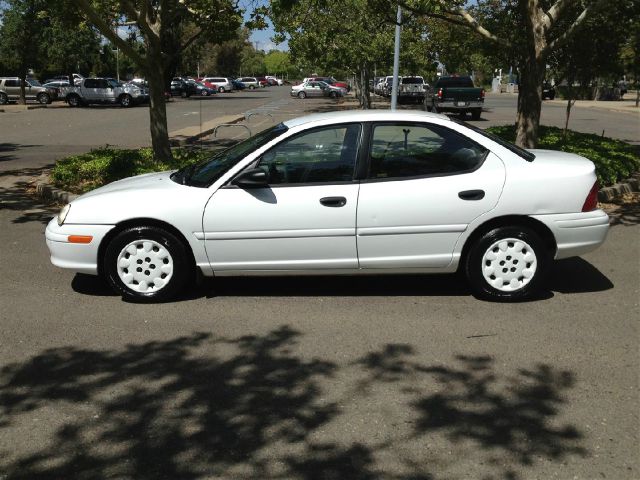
(142, 222)
(509, 221)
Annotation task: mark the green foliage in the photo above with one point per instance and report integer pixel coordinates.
(614, 159)
(81, 173)
(277, 62)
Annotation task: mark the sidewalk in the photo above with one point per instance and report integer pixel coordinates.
(626, 105)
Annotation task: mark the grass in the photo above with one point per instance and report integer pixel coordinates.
(81, 173)
(615, 160)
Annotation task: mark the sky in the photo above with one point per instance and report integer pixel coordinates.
(262, 37)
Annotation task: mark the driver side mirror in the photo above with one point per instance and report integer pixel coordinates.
(254, 178)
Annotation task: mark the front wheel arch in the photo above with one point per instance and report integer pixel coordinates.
(142, 222)
(509, 221)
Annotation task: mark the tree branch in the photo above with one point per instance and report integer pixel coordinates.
(106, 30)
(551, 46)
(551, 17)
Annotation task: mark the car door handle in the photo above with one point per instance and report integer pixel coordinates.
(333, 201)
(471, 195)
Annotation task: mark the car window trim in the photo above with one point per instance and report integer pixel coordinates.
(367, 179)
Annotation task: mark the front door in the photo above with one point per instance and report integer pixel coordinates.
(304, 220)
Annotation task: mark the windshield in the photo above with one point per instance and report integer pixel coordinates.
(208, 171)
(113, 83)
(412, 81)
(521, 152)
(33, 82)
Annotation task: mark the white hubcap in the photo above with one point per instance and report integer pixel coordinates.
(145, 266)
(509, 264)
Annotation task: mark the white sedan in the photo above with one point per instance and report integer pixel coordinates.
(365, 192)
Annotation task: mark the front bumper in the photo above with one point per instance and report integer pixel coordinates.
(576, 233)
(80, 257)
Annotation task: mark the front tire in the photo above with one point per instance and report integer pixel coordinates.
(302, 95)
(74, 101)
(507, 264)
(221, 89)
(126, 101)
(44, 99)
(146, 264)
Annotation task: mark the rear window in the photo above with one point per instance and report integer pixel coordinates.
(521, 152)
(412, 81)
(456, 82)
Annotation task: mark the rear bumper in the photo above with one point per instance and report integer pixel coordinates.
(80, 257)
(576, 233)
(458, 106)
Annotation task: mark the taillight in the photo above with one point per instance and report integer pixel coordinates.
(440, 93)
(482, 93)
(591, 202)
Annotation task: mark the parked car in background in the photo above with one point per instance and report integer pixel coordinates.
(456, 94)
(223, 84)
(332, 81)
(181, 87)
(250, 82)
(10, 88)
(412, 88)
(263, 82)
(384, 86)
(548, 91)
(316, 88)
(238, 85)
(77, 79)
(376, 192)
(105, 91)
(274, 80)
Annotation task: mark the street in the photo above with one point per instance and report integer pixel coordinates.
(406, 377)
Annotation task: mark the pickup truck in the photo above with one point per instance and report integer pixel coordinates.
(104, 90)
(411, 88)
(458, 95)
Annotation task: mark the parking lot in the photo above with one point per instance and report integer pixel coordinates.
(306, 378)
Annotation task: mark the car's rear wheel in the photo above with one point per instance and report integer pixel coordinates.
(73, 100)
(333, 95)
(252, 87)
(475, 114)
(3, 99)
(301, 95)
(44, 98)
(146, 264)
(507, 263)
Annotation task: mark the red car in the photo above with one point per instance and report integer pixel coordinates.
(263, 81)
(334, 82)
(208, 84)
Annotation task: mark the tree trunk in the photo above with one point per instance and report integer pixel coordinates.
(365, 96)
(529, 104)
(570, 103)
(158, 107)
(23, 87)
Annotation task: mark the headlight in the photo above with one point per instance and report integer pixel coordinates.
(63, 214)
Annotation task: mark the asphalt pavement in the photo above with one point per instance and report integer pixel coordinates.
(405, 377)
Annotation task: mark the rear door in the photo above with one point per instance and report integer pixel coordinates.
(425, 184)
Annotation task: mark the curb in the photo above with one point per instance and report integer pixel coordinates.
(49, 192)
(631, 184)
(180, 141)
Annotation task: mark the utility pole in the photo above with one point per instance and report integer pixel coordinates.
(396, 61)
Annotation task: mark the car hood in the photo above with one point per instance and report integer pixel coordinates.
(140, 182)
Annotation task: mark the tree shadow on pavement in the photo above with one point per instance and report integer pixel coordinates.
(250, 407)
(17, 193)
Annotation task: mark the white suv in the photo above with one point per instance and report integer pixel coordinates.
(224, 84)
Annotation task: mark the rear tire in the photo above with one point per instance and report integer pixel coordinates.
(507, 264)
(74, 101)
(475, 114)
(3, 99)
(146, 264)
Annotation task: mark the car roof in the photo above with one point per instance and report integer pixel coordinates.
(364, 116)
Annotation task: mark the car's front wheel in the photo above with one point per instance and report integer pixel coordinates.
(301, 95)
(146, 264)
(126, 101)
(507, 263)
(44, 98)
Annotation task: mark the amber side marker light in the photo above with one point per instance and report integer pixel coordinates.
(79, 238)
